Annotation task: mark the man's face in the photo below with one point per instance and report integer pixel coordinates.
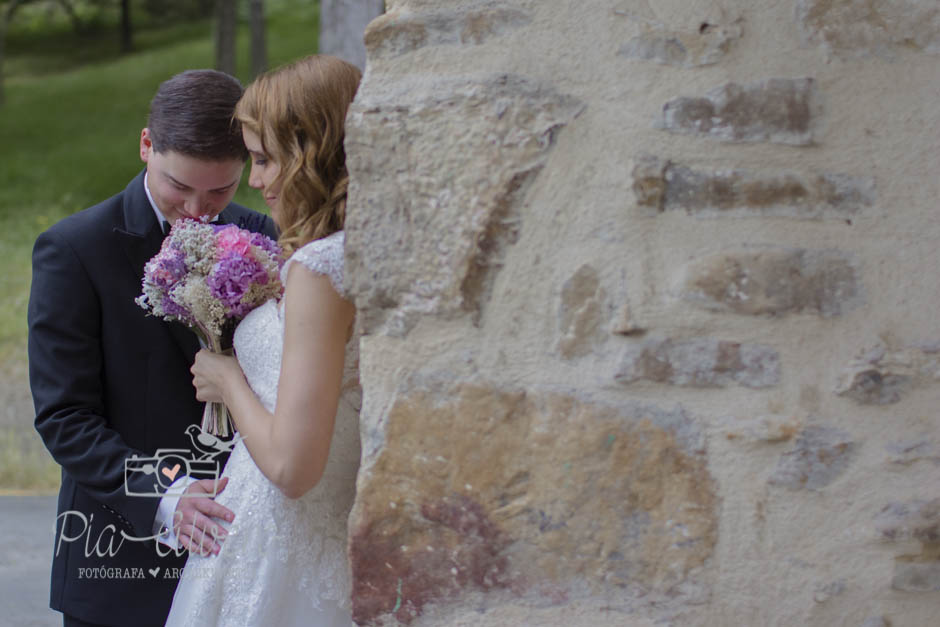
(187, 187)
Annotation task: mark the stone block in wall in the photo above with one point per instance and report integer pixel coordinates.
(480, 496)
(704, 46)
(825, 592)
(915, 520)
(700, 362)
(400, 32)
(768, 429)
(918, 521)
(819, 456)
(773, 282)
(663, 185)
(880, 375)
(581, 313)
(777, 110)
(916, 576)
(912, 451)
(436, 198)
(626, 322)
(854, 28)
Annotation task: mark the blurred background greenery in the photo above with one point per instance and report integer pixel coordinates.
(76, 99)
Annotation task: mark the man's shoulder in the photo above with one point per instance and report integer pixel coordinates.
(88, 223)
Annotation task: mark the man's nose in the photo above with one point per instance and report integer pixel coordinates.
(195, 206)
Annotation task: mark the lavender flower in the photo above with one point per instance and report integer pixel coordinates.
(230, 280)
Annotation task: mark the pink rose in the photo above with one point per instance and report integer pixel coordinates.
(234, 239)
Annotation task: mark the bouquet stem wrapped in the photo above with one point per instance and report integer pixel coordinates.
(215, 417)
(209, 277)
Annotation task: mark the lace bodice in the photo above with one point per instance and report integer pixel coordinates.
(285, 559)
(260, 336)
(323, 256)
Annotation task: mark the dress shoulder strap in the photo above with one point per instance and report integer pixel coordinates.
(322, 256)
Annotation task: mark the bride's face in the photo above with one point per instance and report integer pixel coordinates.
(264, 171)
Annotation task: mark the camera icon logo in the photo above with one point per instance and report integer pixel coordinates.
(153, 476)
(165, 466)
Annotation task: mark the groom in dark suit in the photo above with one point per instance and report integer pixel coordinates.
(110, 383)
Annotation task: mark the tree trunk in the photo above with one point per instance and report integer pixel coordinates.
(73, 16)
(5, 18)
(342, 24)
(225, 18)
(3, 38)
(127, 43)
(259, 48)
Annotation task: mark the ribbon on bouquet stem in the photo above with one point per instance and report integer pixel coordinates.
(216, 419)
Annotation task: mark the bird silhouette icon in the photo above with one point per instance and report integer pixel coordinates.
(208, 444)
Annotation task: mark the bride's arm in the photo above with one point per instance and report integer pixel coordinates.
(290, 447)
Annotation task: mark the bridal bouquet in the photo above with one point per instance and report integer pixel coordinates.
(209, 277)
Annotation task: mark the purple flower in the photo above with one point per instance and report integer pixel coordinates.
(167, 268)
(266, 244)
(231, 278)
(173, 308)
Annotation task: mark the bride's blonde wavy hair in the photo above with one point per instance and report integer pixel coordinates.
(299, 112)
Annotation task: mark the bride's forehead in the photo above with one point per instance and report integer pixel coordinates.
(252, 140)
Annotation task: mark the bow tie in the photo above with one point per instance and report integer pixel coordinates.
(166, 228)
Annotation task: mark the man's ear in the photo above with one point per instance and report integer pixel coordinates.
(146, 145)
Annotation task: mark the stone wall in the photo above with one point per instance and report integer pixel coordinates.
(649, 306)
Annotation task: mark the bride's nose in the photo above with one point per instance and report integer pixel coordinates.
(254, 178)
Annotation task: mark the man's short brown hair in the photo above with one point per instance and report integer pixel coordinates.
(191, 114)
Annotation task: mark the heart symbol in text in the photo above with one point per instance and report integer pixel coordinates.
(171, 473)
(153, 571)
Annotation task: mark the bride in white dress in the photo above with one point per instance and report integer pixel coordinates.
(293, 391)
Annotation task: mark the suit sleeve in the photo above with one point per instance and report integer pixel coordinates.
(65, 372)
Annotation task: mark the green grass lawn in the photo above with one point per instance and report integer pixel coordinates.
(69, 135)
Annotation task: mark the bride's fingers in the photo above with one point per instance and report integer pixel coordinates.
(211, 509)
(211, 527)
(204, 536)
(194, 546)
(204, 390)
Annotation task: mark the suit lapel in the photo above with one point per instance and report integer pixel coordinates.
(140, 235)
(141, 239)
(225, 216)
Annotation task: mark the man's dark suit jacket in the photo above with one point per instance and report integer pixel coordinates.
(110, 382)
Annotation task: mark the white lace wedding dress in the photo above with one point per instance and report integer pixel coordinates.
(284, 561)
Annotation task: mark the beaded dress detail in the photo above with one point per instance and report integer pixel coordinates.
(284, 561)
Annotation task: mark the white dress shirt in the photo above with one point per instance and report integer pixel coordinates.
(163, 521)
